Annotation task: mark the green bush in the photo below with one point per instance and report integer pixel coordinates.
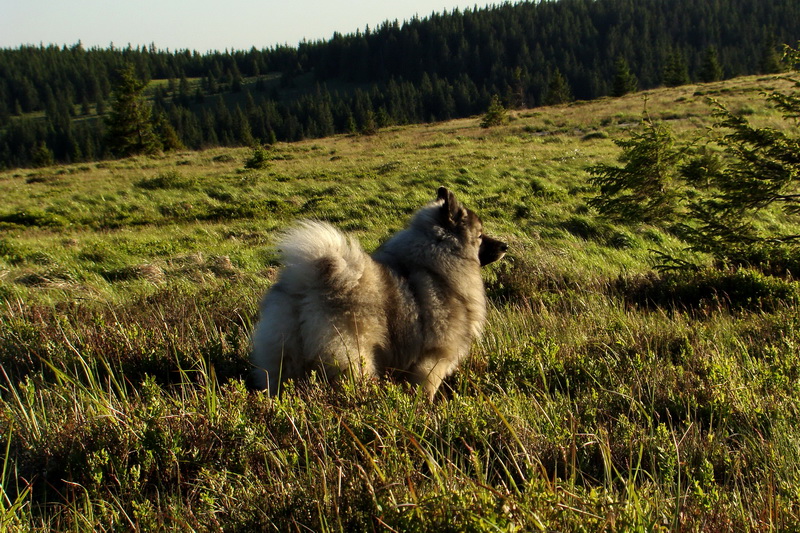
(170, 179)
(33, 217)
(595, 135)
(737, 289)
(259, 159)
(587, 228)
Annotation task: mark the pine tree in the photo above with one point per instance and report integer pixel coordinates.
(762, 170)
(496, 115)
(710, 70)
(676, 71)
(85, 108)
(129, 125)
(644, 189)
(770, 62)
(184, 97)
(351, 126)
(624, 80)
(370, 124)
(241, 128)
(558, 90)
(517, 90)
(42, 156)
(382, 118)
(166, 134)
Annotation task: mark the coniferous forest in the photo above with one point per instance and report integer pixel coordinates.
(55, 101)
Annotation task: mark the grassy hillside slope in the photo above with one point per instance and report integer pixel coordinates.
(128, 290)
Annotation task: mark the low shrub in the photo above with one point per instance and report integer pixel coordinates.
(171, 179)
(33, 217)
(258, 160)
(781, 260)
(588, 228)
(737, 289)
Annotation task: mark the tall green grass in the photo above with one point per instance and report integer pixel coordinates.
(602, 396)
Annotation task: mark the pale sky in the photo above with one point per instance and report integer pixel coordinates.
(201, 25)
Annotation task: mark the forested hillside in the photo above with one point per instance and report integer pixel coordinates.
(53, 99)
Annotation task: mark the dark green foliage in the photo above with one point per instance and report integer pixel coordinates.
(770, 60)
(741, 288)
(558, 90)
(42, 156)
(166, 134)
(129, 124)
(170, 179)
(774, 258)
(723, 198)
(496, 115)
(259, 159)
(624, 81)
(595, 135)
(710, 69)
(765, 167)
(700, 167)
(369, 124)
(585, 228)
(645, 189)
(761, 170)
(33, 217)
(676, 70)
(789, 103)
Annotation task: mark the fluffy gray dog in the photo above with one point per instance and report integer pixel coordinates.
(412, 309)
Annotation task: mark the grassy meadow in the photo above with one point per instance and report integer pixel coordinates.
(128, 289)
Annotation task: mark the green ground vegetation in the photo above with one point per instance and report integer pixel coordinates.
(604, 395)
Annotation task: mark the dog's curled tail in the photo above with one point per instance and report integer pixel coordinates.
(316, 252)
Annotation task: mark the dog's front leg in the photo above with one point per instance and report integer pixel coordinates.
(430, 371)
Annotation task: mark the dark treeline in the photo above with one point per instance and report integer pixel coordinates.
(440, 67)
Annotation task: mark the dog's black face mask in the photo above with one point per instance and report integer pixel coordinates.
(491, 250)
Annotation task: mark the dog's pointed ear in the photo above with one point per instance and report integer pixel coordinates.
(452, 210)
